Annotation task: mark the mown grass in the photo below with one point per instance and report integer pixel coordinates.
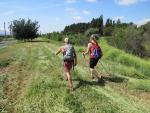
(33, 83)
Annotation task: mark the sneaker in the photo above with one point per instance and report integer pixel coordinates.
(101, 81)
(92, 77)
(69, 90)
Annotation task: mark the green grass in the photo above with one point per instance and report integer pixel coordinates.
(139, 66)
(32, 82)
(140, 84)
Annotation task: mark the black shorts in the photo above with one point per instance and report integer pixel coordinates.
(93, 62)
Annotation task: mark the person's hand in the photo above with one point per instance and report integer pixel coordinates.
(83, 53)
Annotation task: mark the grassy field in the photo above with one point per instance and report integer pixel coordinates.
(31, 81)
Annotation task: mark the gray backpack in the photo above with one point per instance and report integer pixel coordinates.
(69, 52)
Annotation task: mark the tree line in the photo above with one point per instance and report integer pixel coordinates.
(125, 36)
(97, 23)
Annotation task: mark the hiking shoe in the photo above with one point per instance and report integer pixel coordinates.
(69, 90)
(92, 77)
(101, 81)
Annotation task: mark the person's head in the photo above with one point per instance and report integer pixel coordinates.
(92, 38)
(66, 40)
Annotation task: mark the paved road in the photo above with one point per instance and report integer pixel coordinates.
(6, 43)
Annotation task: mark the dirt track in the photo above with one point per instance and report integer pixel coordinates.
(6, 43)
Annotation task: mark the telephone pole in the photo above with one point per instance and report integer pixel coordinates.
(5, 30)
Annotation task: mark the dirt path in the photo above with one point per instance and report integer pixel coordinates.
(6, 43)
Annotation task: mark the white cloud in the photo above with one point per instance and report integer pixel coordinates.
(129, 2)
(86, 12)
(76, 12)
(126, 2)
(77, 15)
(91, 1)
(72, 11)
(119, 17)
(77, 18)
(70, 1)
(142, 22)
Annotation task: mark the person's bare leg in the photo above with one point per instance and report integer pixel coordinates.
(65, 76)
(94, 73)
(68, 73)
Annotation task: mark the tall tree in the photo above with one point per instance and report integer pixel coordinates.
(118, 22)
(25, 30)
(101, 25)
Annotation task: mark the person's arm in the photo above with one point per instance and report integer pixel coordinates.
(88, 49)
(75, 59)
(59, 50)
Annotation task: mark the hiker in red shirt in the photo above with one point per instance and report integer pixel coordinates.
(69, 59)
(95, 54)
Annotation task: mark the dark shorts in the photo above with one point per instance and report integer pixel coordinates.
(93, 62)
(68, 65)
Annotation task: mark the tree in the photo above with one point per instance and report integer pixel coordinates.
(118, 22)
(101, 25)
(108, 31)
(25, 30)
(109, 22)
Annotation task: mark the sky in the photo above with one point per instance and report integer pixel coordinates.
(54, 15)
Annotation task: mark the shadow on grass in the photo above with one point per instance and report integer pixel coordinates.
(83, 83)
(115, 79)
(39, 41)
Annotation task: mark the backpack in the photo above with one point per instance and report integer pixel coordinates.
(96, 51)
(68, 53)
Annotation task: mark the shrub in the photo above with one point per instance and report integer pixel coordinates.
(91, 31)
(55, 36)
(108, 31)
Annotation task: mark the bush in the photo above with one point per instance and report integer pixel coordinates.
(131, 39)
(91, 31)
(25, 30)
(108, 31)
(77, 39)
(55, 36)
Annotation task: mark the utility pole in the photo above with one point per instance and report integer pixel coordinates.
(5, 30)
